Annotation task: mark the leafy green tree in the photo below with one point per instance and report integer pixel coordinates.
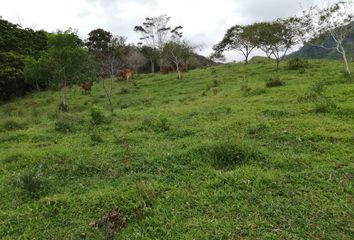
(151, 54)
(23, 41)
(239, 38)
(98, 40)
(65, 63)
(11, 75)
(38, 73)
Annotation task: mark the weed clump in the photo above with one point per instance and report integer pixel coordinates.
(227, 155)
(12, 125)
(97, 115)
(274, 82)
(124, 90)
(157, 125)
(324, 105)
(315, 92)
(33, 184)
(297, 64)
(67, 123)
(96, 137)
(258, 129)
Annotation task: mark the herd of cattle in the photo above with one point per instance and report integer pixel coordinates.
(127, 74)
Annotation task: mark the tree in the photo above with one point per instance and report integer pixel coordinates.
(332, 19)
(69, 63)
(156, 33)
(151, 54)
(98, 40)
(263, 37)
(239, 38)
(38, 73)
(11, 75)
(109, 52)
(178, 53)
(280, 36)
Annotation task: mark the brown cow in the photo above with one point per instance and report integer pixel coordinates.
(86, 87)
(125, 74)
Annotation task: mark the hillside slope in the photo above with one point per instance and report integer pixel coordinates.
(213, 156)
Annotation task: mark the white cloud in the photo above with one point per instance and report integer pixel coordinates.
(204, 21)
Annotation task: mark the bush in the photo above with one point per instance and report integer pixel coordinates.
(258, 129)
(97, 115)
(96, 137)
(324, 105)
(124, 90)
(297, 64)
(11, 125)
(157, 125)
(245, 89)
(347, 76)
(274, 82)
(32, 183)
(314, 92)
(12, 81)
(226, 155)
(67, 123)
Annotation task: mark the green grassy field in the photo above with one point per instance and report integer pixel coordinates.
(216, 155)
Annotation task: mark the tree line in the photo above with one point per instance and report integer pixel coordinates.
(277, 38)
(38, 60)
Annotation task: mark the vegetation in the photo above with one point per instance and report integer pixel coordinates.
(228, 152)
(173, 164)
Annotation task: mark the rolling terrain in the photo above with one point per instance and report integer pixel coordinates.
(216, 155)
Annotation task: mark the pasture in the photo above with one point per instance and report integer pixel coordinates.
(216, 155)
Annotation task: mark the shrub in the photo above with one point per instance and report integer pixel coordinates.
(97, 115)
(157, 125)
(12, 124)
(124, 90)
(245, 89)
(347, 76)
(12, 81)
(314, 92)
(96, 137)
(297, 64)
(324, 105)
(258, 129)
(226, 155)
(216, 83)
(32, 183)
(274, 82)
(67, 123)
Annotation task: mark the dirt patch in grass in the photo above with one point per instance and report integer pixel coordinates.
(111, 223)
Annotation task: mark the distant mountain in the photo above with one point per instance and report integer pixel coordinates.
(314, 52)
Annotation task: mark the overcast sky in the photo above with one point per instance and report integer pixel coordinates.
(204, 21)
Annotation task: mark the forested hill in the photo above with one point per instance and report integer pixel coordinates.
(314, 52)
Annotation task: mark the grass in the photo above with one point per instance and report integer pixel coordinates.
(212, 156)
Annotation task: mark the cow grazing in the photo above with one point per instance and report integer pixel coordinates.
(125, 74)
(86, 87)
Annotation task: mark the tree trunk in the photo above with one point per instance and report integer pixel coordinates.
(278, 62)
(178, 72)
(108, 94)
(64, 103)
(152, 65)
(37, 86)
(346, 64)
